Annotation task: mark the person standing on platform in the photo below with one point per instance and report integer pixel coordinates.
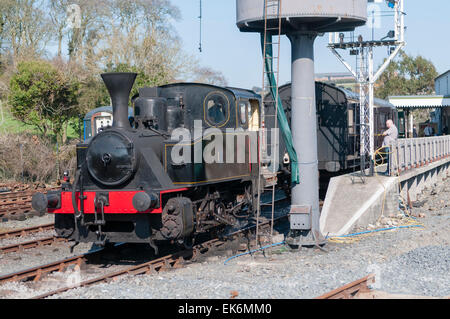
(390, 136)
(428, 131)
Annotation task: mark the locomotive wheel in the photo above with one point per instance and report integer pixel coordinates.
(188, 242)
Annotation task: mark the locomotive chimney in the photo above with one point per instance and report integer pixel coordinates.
(119, 86)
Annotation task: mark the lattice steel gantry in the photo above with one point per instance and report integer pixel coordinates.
(366, 75)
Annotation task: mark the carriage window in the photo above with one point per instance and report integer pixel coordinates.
(244, 108)
(216, 108)
(351, 128)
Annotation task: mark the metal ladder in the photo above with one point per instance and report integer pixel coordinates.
(271, 8)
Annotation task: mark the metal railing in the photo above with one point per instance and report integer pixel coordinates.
(410, 153)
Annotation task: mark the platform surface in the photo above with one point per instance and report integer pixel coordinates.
(348, 203)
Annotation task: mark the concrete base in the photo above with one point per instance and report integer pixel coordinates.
(348, 205)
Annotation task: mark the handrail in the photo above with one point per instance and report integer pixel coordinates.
(410, 153)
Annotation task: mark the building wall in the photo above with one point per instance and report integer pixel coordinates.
(443, 84)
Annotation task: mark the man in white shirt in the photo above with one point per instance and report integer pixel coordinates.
(390, 136)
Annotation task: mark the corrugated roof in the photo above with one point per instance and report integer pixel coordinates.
(377, 102)
(420, 101)
(443, 74)
(104, 109)
(350, 95)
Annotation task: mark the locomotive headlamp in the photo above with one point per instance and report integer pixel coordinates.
(66, 176)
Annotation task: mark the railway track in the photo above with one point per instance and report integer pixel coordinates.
(351, 290)
(31, 244)
(14, 198)
(26, 231)
(170, 261)
(28, 244)
(35, 273)
(16, 205)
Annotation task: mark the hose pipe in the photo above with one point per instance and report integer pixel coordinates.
(77, 213)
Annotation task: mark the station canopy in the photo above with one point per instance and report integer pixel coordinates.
(420, 101)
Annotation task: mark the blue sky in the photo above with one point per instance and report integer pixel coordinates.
(237, 55)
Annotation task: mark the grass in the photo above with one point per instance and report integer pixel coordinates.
(8, 124)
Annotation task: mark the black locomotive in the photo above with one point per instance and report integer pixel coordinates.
(129, 188)
(130, 185)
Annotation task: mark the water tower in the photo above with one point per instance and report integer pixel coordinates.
(302, 21)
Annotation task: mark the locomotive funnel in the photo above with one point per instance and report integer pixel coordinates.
(119, 86)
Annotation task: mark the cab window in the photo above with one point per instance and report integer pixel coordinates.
(244, 109)
(216, 107)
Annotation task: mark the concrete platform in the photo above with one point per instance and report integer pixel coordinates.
(349, 205)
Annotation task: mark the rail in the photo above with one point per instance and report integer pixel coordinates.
(410, 153)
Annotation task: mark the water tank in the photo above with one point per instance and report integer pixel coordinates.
(174, 117)
(302, 15)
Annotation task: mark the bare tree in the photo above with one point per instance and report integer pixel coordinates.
(4, 6)
(94, 16)
(141, 35)
(209, 75)
(58, 17)
(26, 28)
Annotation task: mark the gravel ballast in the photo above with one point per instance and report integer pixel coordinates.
(413, 261)
(29, 222)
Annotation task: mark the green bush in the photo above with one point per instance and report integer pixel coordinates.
(42, 96)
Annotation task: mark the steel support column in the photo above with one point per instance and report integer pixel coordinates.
(304, 133)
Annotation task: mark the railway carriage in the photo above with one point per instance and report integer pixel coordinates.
(338, 130)
(99, 119)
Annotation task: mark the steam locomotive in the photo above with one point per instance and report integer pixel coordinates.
(129, 188)
(130, 185)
